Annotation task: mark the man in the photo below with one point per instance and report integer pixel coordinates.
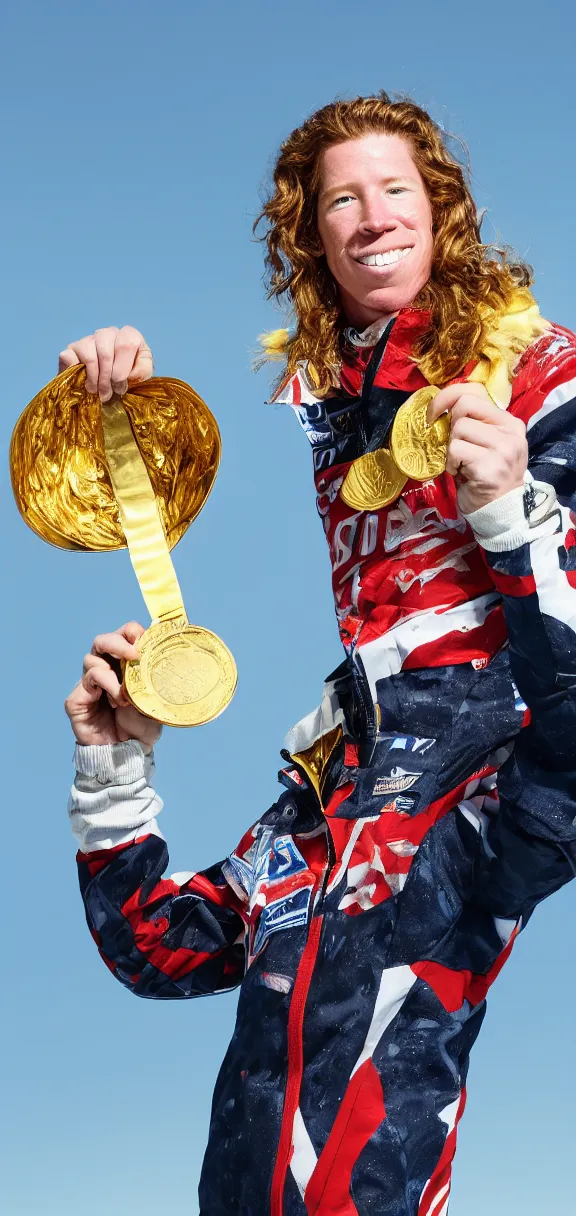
(429, 802)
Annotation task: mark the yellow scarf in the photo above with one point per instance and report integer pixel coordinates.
(507, 338)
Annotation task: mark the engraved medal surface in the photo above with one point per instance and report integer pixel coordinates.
(372, 481)
(185, 676)
(419, 449)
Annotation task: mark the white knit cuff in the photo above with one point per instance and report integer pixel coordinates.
(519, 517)
(112, 763)
(113, 800)
(501, 525)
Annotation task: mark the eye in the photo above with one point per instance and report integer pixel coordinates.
(397, 190)
(341, 201)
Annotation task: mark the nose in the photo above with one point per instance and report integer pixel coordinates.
(377, 216)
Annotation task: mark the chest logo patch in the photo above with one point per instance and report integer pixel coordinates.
(398, 781)
(276, 884)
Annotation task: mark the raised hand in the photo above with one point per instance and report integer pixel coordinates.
(487, 452)
(98, 709)
(115, 359)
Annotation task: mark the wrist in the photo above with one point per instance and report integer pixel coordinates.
(501, 523)
(472, 499)
(516, 518)
(112, 763)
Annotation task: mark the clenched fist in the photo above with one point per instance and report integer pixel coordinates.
(98, 708)
(114, 358)
(487, 452)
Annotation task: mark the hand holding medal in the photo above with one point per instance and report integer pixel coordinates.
(133, 470)
(463, 429)
(487, 452)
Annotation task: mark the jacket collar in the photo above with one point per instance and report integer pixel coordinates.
(397, 368)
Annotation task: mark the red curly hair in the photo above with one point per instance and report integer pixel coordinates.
(471, 285)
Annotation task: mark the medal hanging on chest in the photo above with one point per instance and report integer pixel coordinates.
(417, 450)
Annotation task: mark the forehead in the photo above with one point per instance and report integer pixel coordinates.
(371, 157)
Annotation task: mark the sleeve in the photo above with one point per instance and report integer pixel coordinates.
(164, 938)
(528, 847)
(529, 542)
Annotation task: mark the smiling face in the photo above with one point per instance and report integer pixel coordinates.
(375, 225)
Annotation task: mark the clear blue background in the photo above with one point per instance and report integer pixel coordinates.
(135, 138)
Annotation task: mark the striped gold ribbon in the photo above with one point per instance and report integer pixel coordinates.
(139, 515)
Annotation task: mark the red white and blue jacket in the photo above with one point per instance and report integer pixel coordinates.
(366, 924)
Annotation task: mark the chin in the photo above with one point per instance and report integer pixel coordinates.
(363, 313)
(387, 297)
(363, 306)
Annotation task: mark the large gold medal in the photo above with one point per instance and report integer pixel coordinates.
(372, 481)
(135, 471)
(418, 449)
(185, 675)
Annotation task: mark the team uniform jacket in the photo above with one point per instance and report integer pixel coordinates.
(366, 926)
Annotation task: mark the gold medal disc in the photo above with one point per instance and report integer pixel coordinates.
(419, 449)
(185, 676)
(372, 481)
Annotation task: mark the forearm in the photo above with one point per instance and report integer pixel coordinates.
(113, 800)
(525, 539)
(530, 844)
(161, 937)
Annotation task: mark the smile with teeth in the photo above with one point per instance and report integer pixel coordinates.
(385, 259)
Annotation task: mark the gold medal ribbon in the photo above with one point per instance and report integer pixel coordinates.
(139, 515)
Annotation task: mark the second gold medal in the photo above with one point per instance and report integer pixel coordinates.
(418, 449)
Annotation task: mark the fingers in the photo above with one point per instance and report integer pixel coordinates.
(132, 631)
(144, 366)
(81, 698)
(474, 416)
(474, 395)
(461, 457)
(98, 678)
(133, 360)
(84, 351)
(480, 433)
(120, 643)
(105, 340)
(487, 451)
(114, 358)
(491, 468)
(67, 358)
(119, 352)
(501, 423)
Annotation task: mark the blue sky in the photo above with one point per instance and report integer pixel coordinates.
(136, 138)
